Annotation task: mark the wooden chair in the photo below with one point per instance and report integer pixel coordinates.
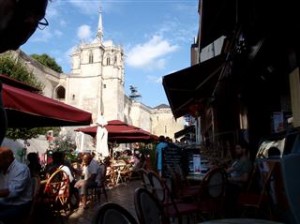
(56, 193)
(113, 213)
(148, 208)
(124, 173)
(290, 166)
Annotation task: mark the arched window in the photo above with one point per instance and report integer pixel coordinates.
(91, 57)
(108, 61)
(61, 92)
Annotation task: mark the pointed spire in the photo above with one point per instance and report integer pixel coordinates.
(100, 26)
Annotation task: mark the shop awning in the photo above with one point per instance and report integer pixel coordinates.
(218, 18)
(186, 130)
(28, 109)
(192, 84)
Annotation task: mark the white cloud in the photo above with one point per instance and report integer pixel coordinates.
(42, 35)
(62, 23)
(58, 33)
(91, 7)
(84, 32)
(66, 60)
(178, 31)
(150, 54)
(86, 7)
(52, 10)
(154, 79)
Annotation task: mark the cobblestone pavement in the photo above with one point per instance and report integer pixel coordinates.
(122, 194)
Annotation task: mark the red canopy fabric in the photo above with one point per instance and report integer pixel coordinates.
(28, 109)
(5, 79)
(128, 139)
(121, 132)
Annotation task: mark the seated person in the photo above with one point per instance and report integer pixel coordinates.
(238, 176)
(139, 162)
(91, 177)
(34, 164)
(15, 187)
(240, 169)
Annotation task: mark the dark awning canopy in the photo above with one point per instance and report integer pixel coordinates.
(256, 19)
(192, 84)
(218, 18)
(186, 130)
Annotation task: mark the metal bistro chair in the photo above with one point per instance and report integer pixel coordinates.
(110, 212)
(146, 182)
(172, 208)
(256, 202)
(212, 193)
(148, 208)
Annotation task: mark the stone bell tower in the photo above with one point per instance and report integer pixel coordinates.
(96, 83)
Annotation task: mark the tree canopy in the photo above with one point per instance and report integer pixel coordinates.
(47, 61)
(14, 68)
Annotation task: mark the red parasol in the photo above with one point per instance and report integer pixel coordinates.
(120, 131)
(28, 109)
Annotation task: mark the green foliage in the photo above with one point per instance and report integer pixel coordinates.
(26, 133)
(47, 61)
(14, 68)
(64, 143)
(67, 145)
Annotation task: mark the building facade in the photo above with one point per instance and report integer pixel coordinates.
(96, 84)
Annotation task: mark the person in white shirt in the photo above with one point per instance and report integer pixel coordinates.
(15, 187)
(91, 178)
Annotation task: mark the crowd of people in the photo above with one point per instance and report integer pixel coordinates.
(16, 190)
(87, 172)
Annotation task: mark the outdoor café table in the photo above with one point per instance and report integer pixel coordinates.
(240, 221)
(195, 177)
(117, 168)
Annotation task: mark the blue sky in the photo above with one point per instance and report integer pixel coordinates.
(156, 36)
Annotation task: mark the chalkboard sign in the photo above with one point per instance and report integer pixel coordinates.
(172, 156)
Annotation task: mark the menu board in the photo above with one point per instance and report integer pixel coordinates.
(171, 157)
(196, 163)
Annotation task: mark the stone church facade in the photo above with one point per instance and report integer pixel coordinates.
(96, 84)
